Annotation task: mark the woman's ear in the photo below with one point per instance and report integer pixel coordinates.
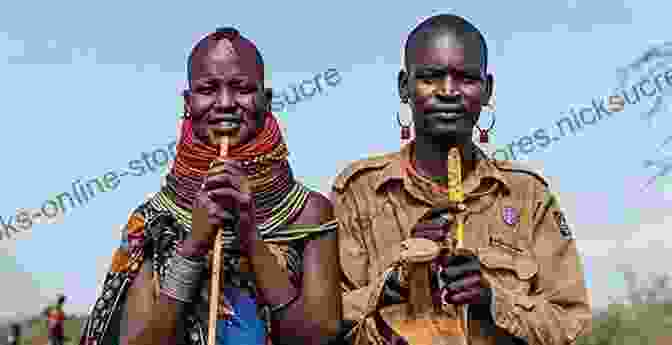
(402, 85)
(186, 95)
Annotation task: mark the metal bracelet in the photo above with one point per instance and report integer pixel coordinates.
(186, 270)
(192, 262)
(280, 307)
(185, 277)
(440, 282)
(182, 278)
(177, 290)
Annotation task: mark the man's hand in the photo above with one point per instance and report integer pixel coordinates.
(460, 282)
(393, 292)
(435, 230)
(457, 279)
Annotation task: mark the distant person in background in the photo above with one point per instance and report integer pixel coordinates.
(14, 335)
(55, 320)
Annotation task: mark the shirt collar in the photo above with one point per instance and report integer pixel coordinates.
(485, 169)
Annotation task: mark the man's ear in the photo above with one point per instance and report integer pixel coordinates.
(268, 93)
(402, 85)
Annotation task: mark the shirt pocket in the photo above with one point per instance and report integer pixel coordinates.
(511, 268)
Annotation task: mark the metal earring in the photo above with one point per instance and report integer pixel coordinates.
(484, 137)
(185, 113)
(405, 129)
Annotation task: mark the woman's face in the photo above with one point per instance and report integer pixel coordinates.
(226, 93)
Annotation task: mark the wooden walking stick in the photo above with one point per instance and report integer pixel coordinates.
(217, 261)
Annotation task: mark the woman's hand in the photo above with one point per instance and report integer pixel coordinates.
(225, 198)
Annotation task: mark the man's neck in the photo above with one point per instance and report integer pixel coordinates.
(431, 156)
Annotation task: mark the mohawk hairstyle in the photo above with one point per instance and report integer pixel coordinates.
(228, 33)
(442, 24)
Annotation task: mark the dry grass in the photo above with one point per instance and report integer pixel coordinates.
(37, 333)
(644, 324)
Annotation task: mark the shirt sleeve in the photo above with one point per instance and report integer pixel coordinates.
(353, 257)
(557, 311)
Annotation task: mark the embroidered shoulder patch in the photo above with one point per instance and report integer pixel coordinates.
(561, 220)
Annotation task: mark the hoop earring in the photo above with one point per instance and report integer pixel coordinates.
(405, 129)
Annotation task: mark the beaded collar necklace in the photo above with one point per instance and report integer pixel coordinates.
(278, 196)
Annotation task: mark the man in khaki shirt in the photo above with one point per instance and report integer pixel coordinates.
(525, 285)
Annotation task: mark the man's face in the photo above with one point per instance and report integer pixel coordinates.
(446, 85)
(226, 92)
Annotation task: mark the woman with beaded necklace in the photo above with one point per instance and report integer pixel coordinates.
(280, 270)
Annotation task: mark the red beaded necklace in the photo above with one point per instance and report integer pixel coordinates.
(195, 158)
(267, 150)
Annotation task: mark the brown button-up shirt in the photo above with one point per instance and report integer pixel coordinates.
(528, 255)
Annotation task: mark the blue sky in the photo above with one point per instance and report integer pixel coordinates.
(89, 87)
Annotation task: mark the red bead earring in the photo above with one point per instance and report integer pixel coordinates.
(405, 129)
(484, 138)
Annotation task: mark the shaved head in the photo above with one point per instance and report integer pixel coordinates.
(224, 44)
(445, 80)
(440, 26)
(226, 88)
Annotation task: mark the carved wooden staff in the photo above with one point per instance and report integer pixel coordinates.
(217, 260)
(456, 195)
